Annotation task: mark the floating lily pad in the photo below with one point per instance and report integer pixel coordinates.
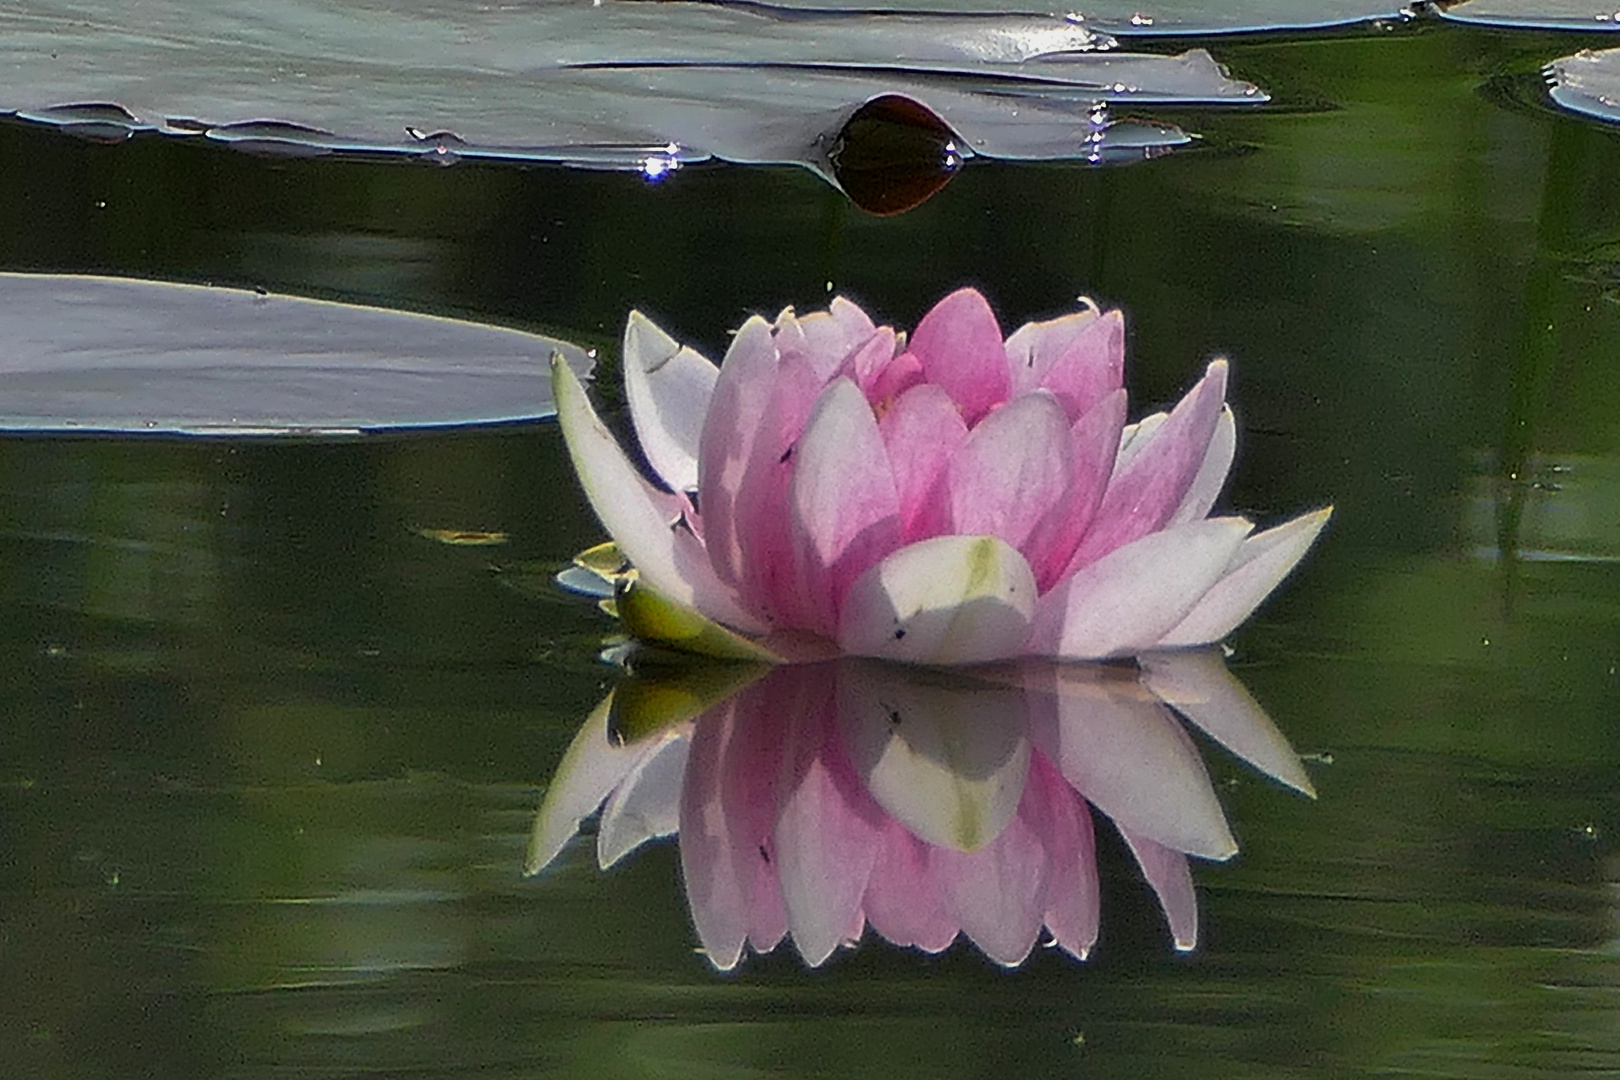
(1539, 14)
(1179, 17)
(1587, 82)
(621, 84)
(88, 354)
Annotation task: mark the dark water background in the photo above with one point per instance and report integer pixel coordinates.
(268, 757)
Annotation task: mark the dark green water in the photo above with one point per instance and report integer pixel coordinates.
(269, 758)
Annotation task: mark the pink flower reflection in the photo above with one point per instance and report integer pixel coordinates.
(823, 799)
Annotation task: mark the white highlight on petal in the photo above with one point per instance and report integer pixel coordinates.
(1257, 568)
(947, 600)
(668, 387)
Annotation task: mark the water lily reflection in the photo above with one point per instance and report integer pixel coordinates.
(822, 799)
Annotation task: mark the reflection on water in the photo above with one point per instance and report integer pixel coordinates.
(1558, 508)
(823, 798)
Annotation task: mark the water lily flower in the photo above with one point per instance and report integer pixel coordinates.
(944, 498)
(824, 799)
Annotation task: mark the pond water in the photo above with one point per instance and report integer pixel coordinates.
(271, 748)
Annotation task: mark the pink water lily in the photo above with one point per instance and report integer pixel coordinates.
(948, 498)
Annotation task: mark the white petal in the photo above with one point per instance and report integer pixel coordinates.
(1206, 486)
(1257, 568)
(1197, 684)
(947, 757)
(638, 516)
(1128, 599)
(668, 387)
(947, 600)
(1120, 748)
(591, 767)
(647, 803)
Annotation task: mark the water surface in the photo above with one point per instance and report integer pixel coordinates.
(269, 755)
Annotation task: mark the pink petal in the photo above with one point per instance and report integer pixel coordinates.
(1197, 684)
(1130, 598)
(1011, 469)
(921, 432)
(868, 360)
(823, 355)
(728, 809)
(773, 580)
(1033, 348)
(948, 600)
(1081, 371)
(959, 346)
(845, 508)
(997, 894)
(1146, 491)
(1257, 568)
(740, 405)
(668, 387)
(1206, 486)
(1168, 873)
(1062, 820)
(1094, 440)
(1124, 752)
(903, 902)
(856, 324)
(895, 378)
(1136, 436)
(832, 335)
(668, 557)
(828, 830)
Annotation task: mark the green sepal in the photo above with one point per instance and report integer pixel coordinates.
(654, 618)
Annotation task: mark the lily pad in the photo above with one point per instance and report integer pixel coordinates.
(620, 84)
(1539, 14)
(1587, 82)
(90, 354)
(1178, 17)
